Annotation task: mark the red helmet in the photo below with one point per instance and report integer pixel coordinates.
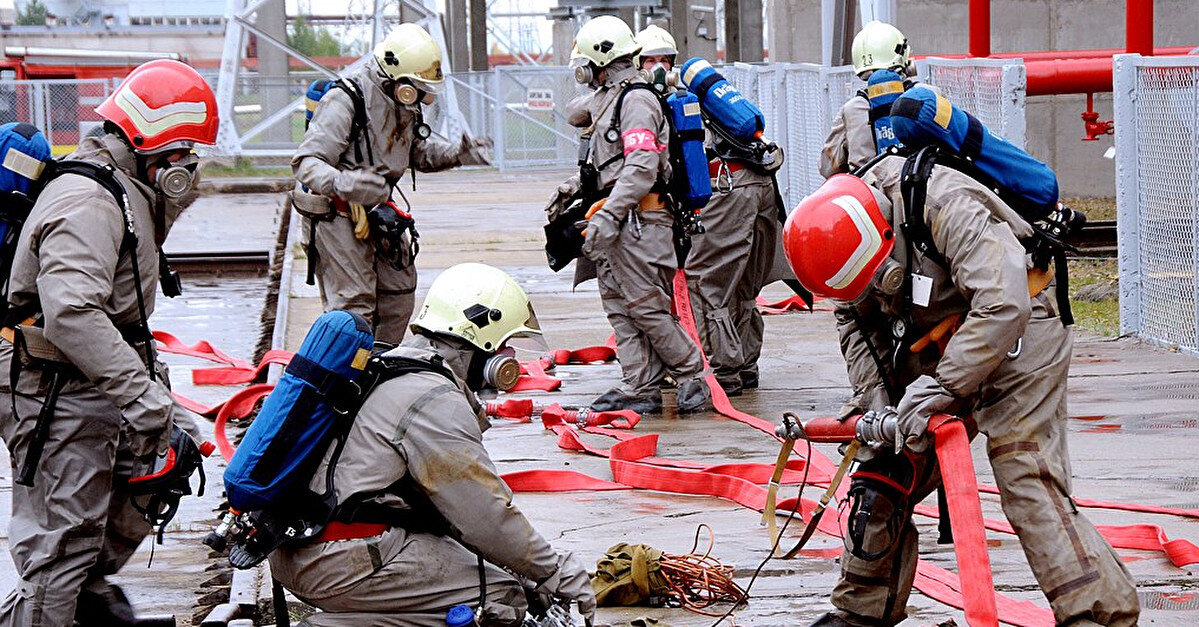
(837, 239)
(163, 104)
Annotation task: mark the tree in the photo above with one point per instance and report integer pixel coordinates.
(312, 41)
(34, 14)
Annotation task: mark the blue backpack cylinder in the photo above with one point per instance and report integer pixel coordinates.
(922, 117)
(286, 441)
(724, 104)
(689, 124)
(882, 90)
(24, 153)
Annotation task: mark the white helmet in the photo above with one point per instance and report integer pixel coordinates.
(477, 303)
(409, 52)
(655, 41)
(603, 40)
(879, 46)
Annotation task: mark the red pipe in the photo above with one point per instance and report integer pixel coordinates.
(980, 28)
(1043, 55)
(1138, 26)
(1068, 76)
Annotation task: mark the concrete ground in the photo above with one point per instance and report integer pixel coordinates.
(1133, 425)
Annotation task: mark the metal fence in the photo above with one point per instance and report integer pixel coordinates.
(1157, 196)
(61, 109)
(993, 90)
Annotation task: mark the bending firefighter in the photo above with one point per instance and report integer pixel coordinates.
(953, 324)
(728, 265)
(92, 411)
(366, 130)
(631, 226)
(852, 140)
(422, 520)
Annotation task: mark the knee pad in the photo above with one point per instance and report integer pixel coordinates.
(879, 498)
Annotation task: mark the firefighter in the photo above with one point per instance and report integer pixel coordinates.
(1005, 366)
(850, 143)
(729, 263)
(629, 234)
(350, 161)
(80, 293)
(415, 452)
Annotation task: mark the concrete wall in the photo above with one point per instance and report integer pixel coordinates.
(1054, 126)
(193, 42)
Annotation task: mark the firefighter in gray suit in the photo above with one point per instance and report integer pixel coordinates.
(347, 165)
(79, 297)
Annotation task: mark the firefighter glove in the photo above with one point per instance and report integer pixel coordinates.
(475, 150)
(572, 582)
(149, 420)
(924, 398)
(561, 198)
(360, 186)
(602, 231)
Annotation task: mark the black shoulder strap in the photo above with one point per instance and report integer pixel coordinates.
(612, 135)
(360, 120)
(913, 186)
(388, 367)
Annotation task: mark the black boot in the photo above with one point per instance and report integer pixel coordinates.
(834, 619)
(615, 400)
(106, 605)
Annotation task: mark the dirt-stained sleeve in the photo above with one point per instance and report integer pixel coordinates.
(443, 446)
(328, 136)
(77, 235)
(644, 136)
(435, 154)
(987, 265)
(850, 142)
(869, 392)
(834, 156)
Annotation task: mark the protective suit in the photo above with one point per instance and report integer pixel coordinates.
(350, 276)
(728, 266)
(850, 143)
(1006, 366)
(630, 241)
(423, 432)
(76, 525)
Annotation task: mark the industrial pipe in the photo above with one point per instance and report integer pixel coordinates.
(1043, 55)
(980, 28)
(1068, 76)
(1138, 26)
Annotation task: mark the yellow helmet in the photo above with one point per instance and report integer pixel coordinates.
(409, 52)
(479, 304)
(655, 41)
(603, 40)
(879, 46)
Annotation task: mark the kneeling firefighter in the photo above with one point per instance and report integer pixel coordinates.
(897, 274)
(729, 264)
(91, 411)
(366, 130)
(422, 522)
(632, 225)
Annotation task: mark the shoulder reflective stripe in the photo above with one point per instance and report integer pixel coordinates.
(881, 89)
(695, 68)
(944, 112)
(23, 164)
(151, 121)
(867, 247)
(641, 139)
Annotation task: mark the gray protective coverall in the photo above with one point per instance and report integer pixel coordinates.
(76, 525)
(350, 276)
(427, 431)
(726, 269)
(1018, 402)
(850, 142)
(635, 271)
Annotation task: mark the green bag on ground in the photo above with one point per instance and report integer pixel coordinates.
(629, 574)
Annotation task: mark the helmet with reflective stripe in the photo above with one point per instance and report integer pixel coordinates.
(655, 41)
(409, 52)
(603, 40)
(163, 105)
(838, 238)
(479, 304)
(879, 46)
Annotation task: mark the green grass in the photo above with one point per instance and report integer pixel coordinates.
(1101, 317)
(1094, 208)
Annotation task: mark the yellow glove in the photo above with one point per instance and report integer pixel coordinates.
(362, 228)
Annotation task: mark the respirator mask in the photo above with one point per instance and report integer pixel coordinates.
(176, 179)
(497, 371)
(408, 94)
(585, 72)
(661, 77)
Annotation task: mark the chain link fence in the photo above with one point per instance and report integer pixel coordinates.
(992, 90)
(61, 109)
(1157, 197)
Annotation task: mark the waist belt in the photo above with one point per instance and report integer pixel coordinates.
(652, 201)
(336, 530)
(341, 207)
(716, 165)
(38, 347)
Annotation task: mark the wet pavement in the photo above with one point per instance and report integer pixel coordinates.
(1134, 423)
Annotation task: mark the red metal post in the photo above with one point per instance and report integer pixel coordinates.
(980, 28)
(1138, 26)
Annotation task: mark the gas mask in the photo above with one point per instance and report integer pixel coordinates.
(498, 371)
(176, 179)
(661, 77)
(887, 281)
(408, 94)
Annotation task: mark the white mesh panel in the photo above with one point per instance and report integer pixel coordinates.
(992, 90)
